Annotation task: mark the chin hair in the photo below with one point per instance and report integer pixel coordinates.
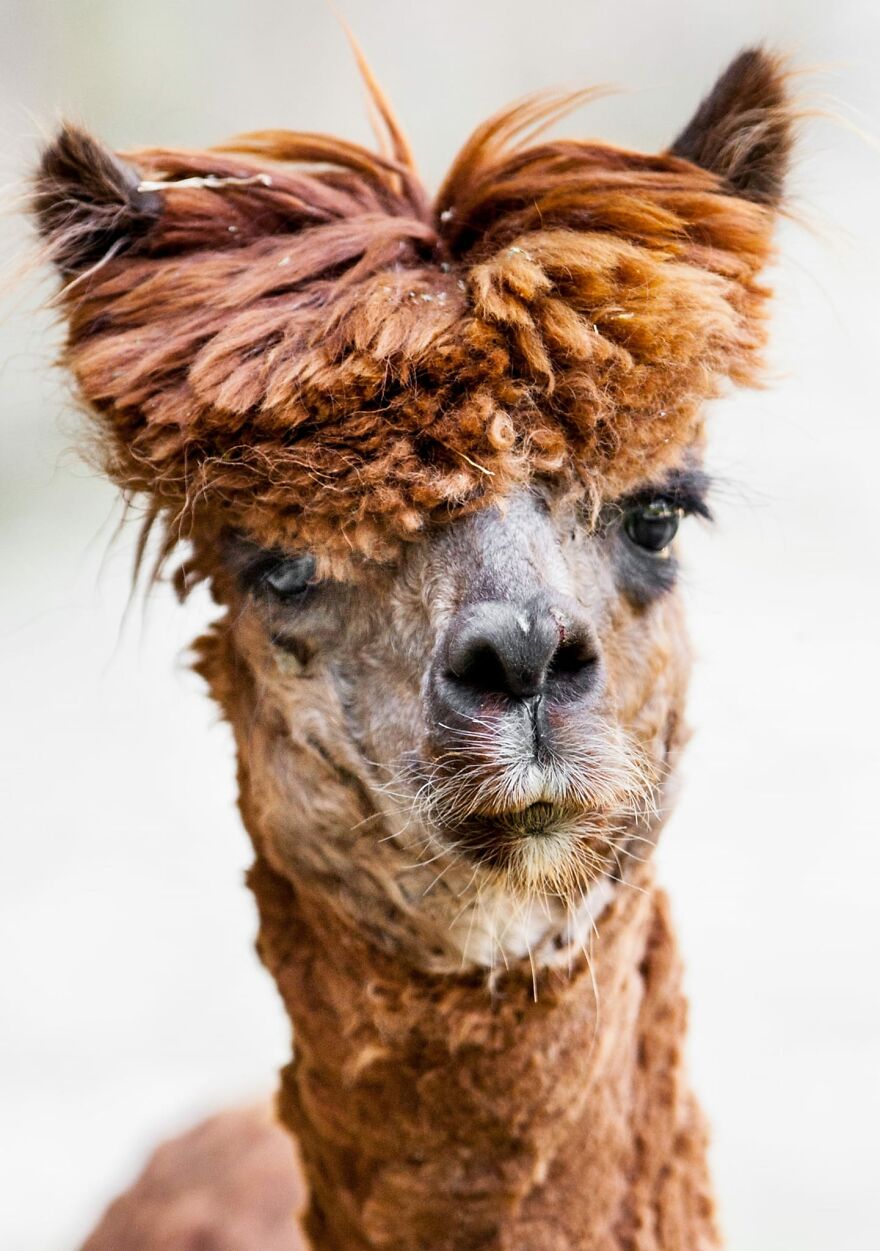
(553, 825)
(568, 856)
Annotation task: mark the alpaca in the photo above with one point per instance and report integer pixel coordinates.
(431, 459)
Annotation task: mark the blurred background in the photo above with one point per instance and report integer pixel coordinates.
(131, 999)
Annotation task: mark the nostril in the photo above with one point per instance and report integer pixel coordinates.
(481, 668)
(573, 670)
(518, 651)
(570, 659)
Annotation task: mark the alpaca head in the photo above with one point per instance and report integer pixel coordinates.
(432, 460)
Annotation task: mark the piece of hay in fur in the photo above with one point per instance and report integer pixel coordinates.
(285, 336)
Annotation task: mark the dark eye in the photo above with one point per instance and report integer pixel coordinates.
(652, 526)
(290, 577)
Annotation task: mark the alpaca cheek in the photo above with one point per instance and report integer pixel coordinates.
(300, 796)
(648, 658)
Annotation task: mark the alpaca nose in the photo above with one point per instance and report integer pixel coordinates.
(520, 651)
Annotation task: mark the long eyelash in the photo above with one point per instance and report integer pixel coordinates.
(252, 579)
(250, 564)
(691, 504)
(686, 490)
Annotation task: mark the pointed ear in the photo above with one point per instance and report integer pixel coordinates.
(743, 130)
(87, 203)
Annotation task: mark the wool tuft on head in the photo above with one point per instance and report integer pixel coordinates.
(283, 336)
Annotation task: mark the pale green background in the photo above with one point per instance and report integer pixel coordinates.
(131, 1000)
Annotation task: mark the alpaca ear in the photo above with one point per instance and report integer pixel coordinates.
(87, 203)
(742, 131)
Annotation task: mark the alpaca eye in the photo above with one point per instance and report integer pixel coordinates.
(290, 577)
(652, 526)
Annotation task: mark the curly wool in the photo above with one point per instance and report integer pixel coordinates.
(300, 346)
(552, 1116)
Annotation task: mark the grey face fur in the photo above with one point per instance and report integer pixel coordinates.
(464, 749)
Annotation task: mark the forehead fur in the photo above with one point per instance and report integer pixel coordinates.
(299, 344)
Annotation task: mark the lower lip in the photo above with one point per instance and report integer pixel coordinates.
(533, 821)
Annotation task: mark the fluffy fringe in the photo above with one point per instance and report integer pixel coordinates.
(301, 347)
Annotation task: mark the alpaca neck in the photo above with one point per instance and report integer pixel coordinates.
(432, 1113)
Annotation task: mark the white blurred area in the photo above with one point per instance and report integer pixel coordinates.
(131, 999)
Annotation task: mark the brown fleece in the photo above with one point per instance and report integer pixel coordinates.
(229, 1184)
(432, 1114)
(284, 335)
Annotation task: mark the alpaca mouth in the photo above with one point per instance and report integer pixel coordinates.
(556, 823)
(534, 820)
(544, 846)
(558, 847)
(492, 837)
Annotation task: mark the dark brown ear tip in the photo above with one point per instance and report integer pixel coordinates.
(87, 201)
(743, 129)
(756, 72)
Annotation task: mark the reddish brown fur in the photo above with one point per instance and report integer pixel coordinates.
(308, 352)
(550, 1123)
(324, 359)
(229, 1184)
